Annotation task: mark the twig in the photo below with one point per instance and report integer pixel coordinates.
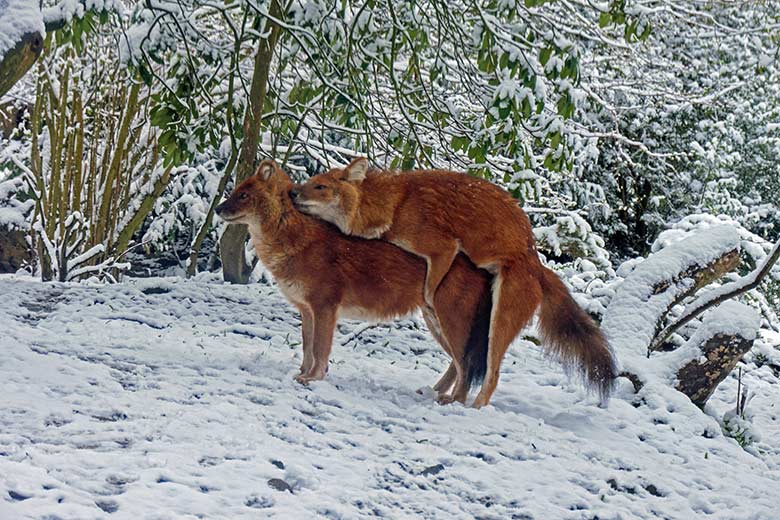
(123, 253)
(361, 331)
(739, 391)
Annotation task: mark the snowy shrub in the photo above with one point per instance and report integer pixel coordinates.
(15, 206)
(687, 120)
(181, 210)
(95, 167)
(492, 88)
(740, 429)
(568, 237)
(572, 248)
(616, 117)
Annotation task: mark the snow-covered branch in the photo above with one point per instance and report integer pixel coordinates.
(718, 296)
(21, 40)
(636, 313)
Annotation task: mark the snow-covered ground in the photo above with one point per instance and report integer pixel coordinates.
(165, 398)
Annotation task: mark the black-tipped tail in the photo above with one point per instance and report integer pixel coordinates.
(475, 359)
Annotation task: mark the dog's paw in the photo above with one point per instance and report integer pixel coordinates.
(445, 398)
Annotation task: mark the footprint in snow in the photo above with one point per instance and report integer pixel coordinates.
(109, 506)
(17, 497)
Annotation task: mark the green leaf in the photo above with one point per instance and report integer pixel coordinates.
(146, 76)
(544, 55)
(645, 32)
(526, 108)
(159, 117)
(565, 107)
(548, 162)
(604, 19)
(460, 143)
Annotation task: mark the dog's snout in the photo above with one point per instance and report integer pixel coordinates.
(295, 193)
(219, 209)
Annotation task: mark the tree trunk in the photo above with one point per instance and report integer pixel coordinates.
(14, 251)
(18, 60)
(232, 244)
(638, 311)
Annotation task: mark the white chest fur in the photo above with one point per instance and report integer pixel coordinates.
(294, 292)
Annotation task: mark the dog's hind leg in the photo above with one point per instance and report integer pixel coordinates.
(307, 339)
(516, 296)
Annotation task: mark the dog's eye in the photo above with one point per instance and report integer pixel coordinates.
(242, 196)
(320, 187)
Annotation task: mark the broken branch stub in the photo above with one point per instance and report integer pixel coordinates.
(714, 298)
(701, 276)
(720, 354)
(18, 60)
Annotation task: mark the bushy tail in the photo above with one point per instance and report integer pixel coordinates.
(571, 336)
(475, 359)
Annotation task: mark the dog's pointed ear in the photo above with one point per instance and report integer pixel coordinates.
(356, 170)
(266, 169)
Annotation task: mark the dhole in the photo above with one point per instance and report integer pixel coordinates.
(437, 214)
(326, 274)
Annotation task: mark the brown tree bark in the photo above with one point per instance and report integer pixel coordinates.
(698, 379)
(235, 268)
(701, 276)
(14, 251)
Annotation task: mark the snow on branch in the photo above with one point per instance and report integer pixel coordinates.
(21, 39)
(23, 26)
(17, 19)
(719, 295)
(63, 12)
(635, 315)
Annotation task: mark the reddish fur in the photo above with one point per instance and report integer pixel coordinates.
(436, 214)
(324, 271)
(570, 335)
